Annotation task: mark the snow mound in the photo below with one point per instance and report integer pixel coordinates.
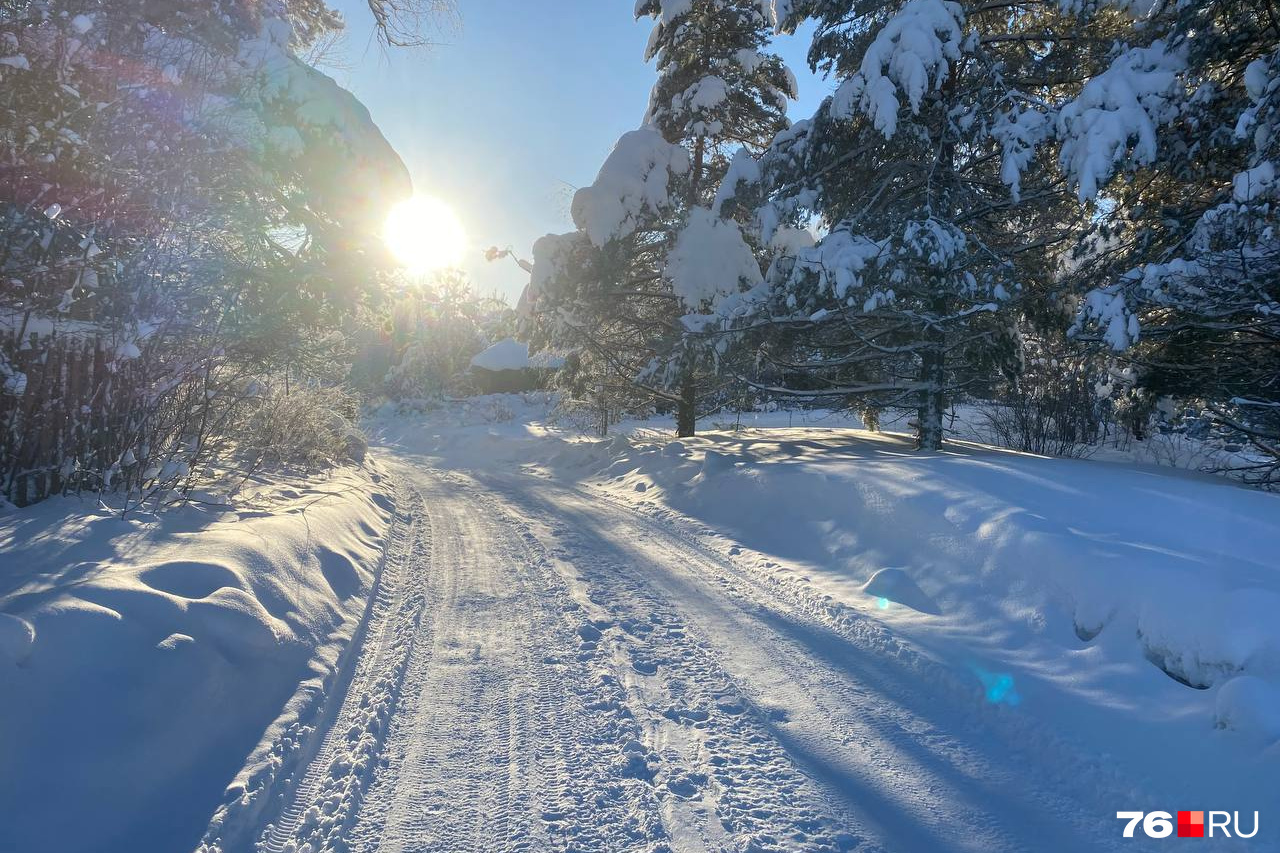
(1251, 707)
(714, 463)
(895, 585)
(16, 637)
(674, 449)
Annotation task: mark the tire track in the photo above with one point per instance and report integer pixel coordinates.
(502, 741)
(720, 780)
(328, 789)
(902, 750)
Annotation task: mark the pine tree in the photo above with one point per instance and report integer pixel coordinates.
(939, 211)
(1178, 135)
(717, 91)
(718, 88)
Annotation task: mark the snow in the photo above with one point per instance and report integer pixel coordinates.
(147, 661)
(1254, 183)
(1081, 615)
(673, 9)
(710, 260)
(553, 256)
(1106, 308)
(1115, 117)
(1019, 132)
(1258, 79)
(911, 55)
(790, 242)
(1250, 707)
(706, 94)
(634, 184)
(743, 169)
(12, 380)
(16, 638)
(508, 354)
(1030, 625)
(895, 586)
(1022, 554)
(838, 261)
(689, 627)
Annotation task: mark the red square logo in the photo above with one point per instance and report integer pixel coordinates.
(1191, 824)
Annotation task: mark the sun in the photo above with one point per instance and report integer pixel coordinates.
(425, 235)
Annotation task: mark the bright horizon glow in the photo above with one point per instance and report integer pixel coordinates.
(425, 235)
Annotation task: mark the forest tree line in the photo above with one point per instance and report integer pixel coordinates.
(1064, 207)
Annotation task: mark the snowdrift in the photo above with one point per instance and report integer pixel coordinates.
(142, 660)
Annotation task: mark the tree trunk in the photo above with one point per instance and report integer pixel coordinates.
(932, 395)
(695, 174)
(686, 411)
(604, 413)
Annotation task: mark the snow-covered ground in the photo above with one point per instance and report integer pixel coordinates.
(146, 661)
(795, 636)
(1043, 642)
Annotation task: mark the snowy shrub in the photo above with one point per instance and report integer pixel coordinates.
(1052, 407)
(493, 410)
(306, 426)
(584, 417)
(437, 327)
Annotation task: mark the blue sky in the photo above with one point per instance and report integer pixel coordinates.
(520, 107)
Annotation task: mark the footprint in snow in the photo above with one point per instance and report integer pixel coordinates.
(687, 786)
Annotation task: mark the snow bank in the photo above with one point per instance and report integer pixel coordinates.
(1125, 607)
(143, 660)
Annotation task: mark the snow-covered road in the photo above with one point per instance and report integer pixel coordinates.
(546, 669)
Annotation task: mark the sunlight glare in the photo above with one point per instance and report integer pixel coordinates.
(425, 235)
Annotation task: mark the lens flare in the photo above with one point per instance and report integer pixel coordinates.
(425, 235)
(998, 687)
